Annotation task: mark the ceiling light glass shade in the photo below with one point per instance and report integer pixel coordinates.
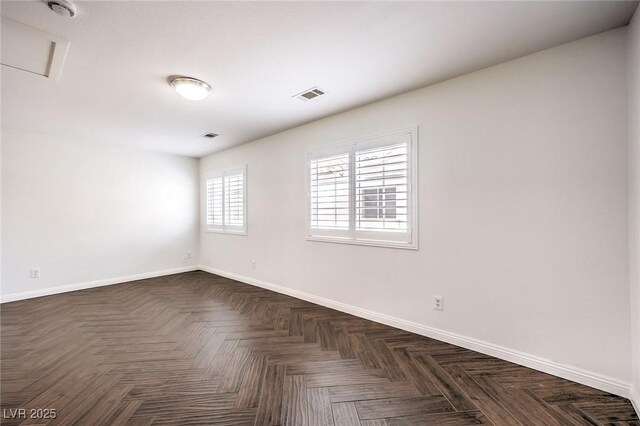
(191, 88)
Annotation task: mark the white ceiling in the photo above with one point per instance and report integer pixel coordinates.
(256, 55)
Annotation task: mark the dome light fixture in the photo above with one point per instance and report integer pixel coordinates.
(190, 88)
(63, 8)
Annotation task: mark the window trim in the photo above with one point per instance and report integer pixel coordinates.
(412, 182)
(222, 174)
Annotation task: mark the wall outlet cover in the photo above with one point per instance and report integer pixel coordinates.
(438, 303)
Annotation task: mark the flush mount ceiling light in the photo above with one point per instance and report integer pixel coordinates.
(191, 88)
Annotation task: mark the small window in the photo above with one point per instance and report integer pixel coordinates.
(226, 203)
(365, 191)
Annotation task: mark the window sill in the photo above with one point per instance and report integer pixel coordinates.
(220, 231)
(371, 243)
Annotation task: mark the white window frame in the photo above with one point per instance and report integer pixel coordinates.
(224, 228)
(359, 237)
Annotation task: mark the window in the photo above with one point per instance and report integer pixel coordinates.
(226, 204)
(365, 191)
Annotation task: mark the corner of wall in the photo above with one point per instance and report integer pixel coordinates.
(634, 397)
(633, 81)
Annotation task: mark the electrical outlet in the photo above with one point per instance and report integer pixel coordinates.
(253, 264)
(35, 273)
(438, 303)
(188, 256)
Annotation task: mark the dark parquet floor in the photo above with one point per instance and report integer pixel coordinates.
(196, 348)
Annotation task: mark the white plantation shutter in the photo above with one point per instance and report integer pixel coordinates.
(226, 201)
(234, 201)
(329, 194)
(365, 191)
(382, 191)
(214, 202)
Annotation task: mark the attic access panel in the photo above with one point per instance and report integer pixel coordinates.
(31, 50)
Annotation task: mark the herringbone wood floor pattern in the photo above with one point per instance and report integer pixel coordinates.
(196, 348)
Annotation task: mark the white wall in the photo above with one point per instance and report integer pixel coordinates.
(523, 209)
(82, 212)
(634, 197)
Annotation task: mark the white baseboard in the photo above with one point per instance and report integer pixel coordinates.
(588, 378)
(90, 284)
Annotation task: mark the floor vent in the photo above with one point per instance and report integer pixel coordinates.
(312, 93)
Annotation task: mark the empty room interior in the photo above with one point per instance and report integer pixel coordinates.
(320, 213)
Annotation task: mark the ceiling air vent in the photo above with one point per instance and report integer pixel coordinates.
(312, 93)
(210, 135)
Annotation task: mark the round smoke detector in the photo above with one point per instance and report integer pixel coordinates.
(63, 8)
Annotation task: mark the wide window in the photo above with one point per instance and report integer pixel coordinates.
(365, 191)
(227, 201)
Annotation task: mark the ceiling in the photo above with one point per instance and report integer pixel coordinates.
(257, 55)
